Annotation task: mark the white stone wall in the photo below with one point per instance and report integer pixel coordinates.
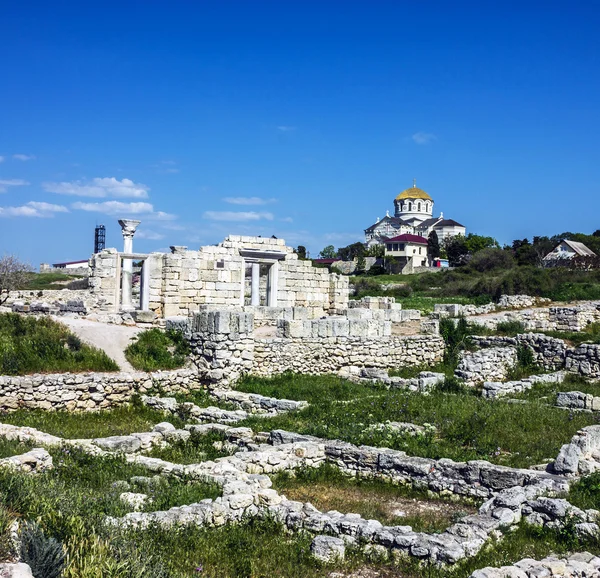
(493, 364)
(88, 391)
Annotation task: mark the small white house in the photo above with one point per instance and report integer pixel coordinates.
(568, 250)
(410, 249)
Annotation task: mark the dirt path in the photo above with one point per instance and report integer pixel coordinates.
(113, 339)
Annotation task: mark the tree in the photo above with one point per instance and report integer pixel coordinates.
(301, 250)
(328, 252)
(457, 250)
(476, 243)
(13, 275)
(377, 251)
(351, 252)
(433, 245)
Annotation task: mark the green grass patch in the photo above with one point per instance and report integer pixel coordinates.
(47, 281)
(198, 448)
(123, 420)
(41, 345)
(591, 334)
(10, 448)
(327, 488)
(154, 349)
(548, 391)
(585, 493)
(469, 427)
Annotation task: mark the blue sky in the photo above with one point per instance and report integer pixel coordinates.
(299, 119)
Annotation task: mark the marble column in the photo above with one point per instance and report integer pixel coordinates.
(255, 299)
(128, 227)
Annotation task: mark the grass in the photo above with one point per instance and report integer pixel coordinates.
(41, 345)
(585, 493)
(409, 372)
(123, 420)
(154, 349)
(548, 391)
(591, 334)
(45, 281)
(10, 448)
(469, 427)
(198, 448)
(327, 488)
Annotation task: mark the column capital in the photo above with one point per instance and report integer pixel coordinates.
(128, 227)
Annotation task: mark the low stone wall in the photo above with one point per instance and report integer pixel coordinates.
(580, 564)
(549, 352)
(493, 389)
(521, 301)
(224, 346)
(54, 298)
(577, 400)
(493, 364)
(585, 360)
(88, 391)
(331, 354)
(476, 479)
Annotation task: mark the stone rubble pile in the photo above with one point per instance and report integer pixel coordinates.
(255, 403)
(580, 565)
(494, 389)
(493, 364)
(194, 413)
(57, 308)
(585, 360)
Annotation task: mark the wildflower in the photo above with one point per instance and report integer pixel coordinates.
(199, 568)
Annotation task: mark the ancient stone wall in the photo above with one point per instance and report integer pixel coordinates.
(584, 360)
(493, 364)
(224, 346)
(183, 280)
(549, 352)
(88, 391)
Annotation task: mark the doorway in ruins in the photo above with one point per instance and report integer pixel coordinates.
(261, 271)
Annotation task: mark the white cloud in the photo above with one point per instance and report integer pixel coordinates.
(422, 138)
(33, 209)
(248, 201)
(100, 188)
(236, 216)
(23, 157)
(4, 184)
(150, 235)
(285, 128)
(121, 209)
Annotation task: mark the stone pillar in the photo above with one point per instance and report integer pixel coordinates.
(243, 285)
(128, 228)
(272, 284)
(255, 299)
(145, 286)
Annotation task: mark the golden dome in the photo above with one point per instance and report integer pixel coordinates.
(413, 192)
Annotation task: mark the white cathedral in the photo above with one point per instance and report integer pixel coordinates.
(413, 215)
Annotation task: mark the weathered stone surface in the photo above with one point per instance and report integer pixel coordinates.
(19, 570)
(328, 549)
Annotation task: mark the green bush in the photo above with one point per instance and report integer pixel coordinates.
(155, 349)
(510, 328)
(41, 345)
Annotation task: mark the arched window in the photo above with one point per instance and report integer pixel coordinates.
(419, 207)
(410, 206)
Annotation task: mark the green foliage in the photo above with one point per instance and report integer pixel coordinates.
(328, 252)
(525, 365)
(433, 245)
(301, 252)
(41, 345)
(491, 259)
(199, 448)
(155, 349)
(585, 493)
(45, 556)
(510, 328)
(351, 252)
(457, 337)
(48, 281)
(590, 334)
(469, 427)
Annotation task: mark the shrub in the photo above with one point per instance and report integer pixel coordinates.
(491, 259)
(510, 328)
(45, 556)
(457, 337)
(155, 349)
